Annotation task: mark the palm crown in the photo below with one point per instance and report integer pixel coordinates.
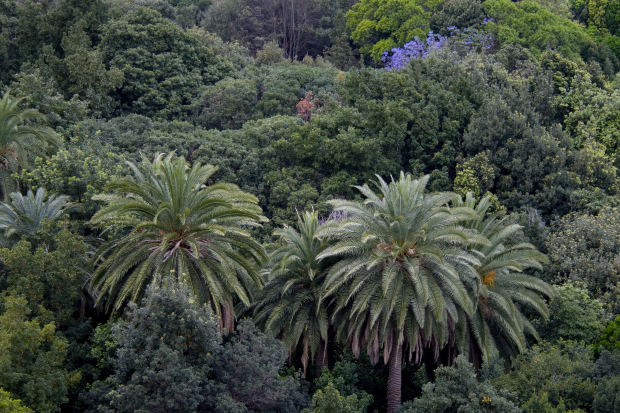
(180, 227)
(20, 131)
(20, 128)
(403, 271)
(498, 323)
(290, 304)
(24, 215)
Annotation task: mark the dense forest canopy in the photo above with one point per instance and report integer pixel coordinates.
(309, 206)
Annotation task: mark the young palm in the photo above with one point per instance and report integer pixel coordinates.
(20, 131)
(401, 280)
(498, 323)
(24, 215)
(289, 306)
(179, 227)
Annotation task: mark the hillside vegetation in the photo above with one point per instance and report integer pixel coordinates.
(309, 206)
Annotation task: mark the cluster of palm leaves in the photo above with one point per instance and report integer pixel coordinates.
(179, 227)
(403, 273)
(25, 215)
(21, 133)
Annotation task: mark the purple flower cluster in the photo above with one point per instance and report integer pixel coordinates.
(415, 49)
(472, 37)
(418, 49)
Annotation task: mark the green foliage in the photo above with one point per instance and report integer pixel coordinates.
(10, 405)
(535, 27)
(300, 27)
(339, 387)
(227, 105)
(32, 360)
(474, 175)
(270, 53)
(384, 249)
(328, 399)
(585, 248)
(401, 272)
(529, 160)
(50, 277)
(574, 315)
(459, 13)
(22, 133)
(248, 368)
(77, 173)
(103, 348)
(606, 398)
(539, 402)
(583, 124)
(133, 135)
(379, 25)
(163, 65)
(44, 94)
(505, 293)
(82, 71)
(165, 353)
(561, 370)
(610, 337)
(529, 124)
(169, 358)
(458, 389)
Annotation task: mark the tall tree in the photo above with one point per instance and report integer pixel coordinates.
(21, 130)
(504, 291)
(401, 279)
(179, 227)
(290, 305)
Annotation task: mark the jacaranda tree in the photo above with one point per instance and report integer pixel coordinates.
(178, 226)
(400, 283)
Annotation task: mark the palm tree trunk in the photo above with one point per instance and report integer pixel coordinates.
(475, 355)
(394, 383)
(321, 358)
(429, 366)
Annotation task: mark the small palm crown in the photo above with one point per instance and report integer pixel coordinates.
(290, 305)
(24, 215)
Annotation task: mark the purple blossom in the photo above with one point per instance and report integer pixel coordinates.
(418, 49)
(414, 49)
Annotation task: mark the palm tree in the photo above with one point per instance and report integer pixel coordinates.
(24, 215)
(179, 227)
(400, 283)
(498, 323)
(20, 131)
(289, 306)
